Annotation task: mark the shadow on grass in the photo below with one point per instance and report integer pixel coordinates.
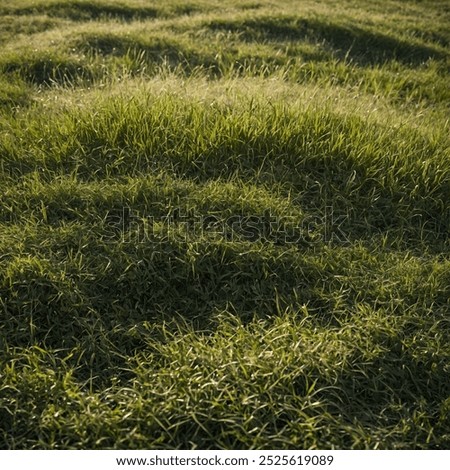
(153, 51)
(84, 11)
(13, 25)
(13, 93)
(361, 45)
(421, 389)
(109, 44)
(43, 69)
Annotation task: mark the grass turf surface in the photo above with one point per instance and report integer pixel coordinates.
(224, 224)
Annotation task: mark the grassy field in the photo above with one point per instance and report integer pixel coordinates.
(224, 224)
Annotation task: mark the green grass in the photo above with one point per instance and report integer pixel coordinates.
(224, 224)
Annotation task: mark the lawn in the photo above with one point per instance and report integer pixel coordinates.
(224, 224)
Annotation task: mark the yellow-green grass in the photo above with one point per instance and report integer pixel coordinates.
(224, 224)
